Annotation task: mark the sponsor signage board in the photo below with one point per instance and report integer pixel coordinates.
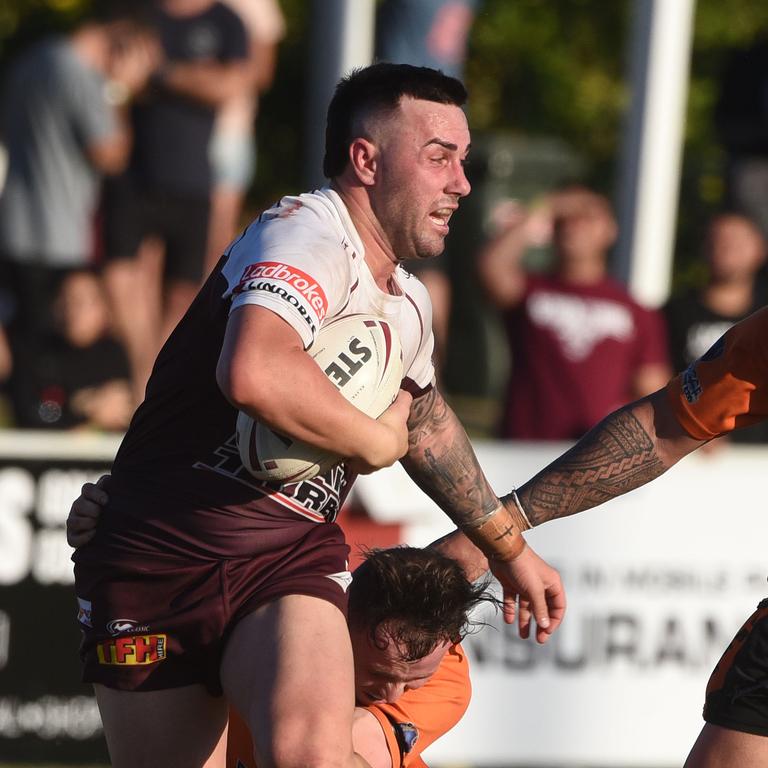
(46, 713)
(658, 583)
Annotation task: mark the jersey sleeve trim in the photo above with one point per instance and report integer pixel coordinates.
(389, 734)
(300, 322)
(410, 386)
(684, 416)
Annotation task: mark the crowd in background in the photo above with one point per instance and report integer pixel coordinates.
(130, 145)
(131, 149)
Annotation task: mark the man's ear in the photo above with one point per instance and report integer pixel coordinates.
(364, 160)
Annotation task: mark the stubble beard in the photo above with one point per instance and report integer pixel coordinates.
(422, 247)
(410, 237)
(411, 243)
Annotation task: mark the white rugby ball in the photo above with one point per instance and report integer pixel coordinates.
(361, 355)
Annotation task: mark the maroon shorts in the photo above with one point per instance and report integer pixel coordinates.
(737, 692)
(154, 622)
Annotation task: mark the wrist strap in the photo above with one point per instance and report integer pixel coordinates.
(518, 512)
(497, 534)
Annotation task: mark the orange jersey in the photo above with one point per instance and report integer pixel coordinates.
(727, 387)
(410, 725)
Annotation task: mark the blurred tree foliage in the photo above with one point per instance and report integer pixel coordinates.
(22, 21)
(558, 68)
(281, 127)
(535, 67)
(539, 67)
(720, 27)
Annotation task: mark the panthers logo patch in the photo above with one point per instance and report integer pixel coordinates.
(691, 384)
(407, 736)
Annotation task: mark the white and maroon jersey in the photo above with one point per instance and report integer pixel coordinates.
(178, 474)
(304, 261)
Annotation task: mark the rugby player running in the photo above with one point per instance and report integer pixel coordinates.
(218, 584)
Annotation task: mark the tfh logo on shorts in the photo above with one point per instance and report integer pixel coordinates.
(132, 650)
(271, 276)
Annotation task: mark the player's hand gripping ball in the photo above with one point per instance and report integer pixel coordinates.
(361, 355)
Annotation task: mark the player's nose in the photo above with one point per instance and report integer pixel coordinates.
(459, 184)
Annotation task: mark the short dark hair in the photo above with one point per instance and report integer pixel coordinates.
(379, 87)
(419, 597)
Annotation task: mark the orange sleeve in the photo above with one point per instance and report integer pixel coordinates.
(726, 388)
(422, 715)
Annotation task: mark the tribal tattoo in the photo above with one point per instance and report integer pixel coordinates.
(616, 456)
(442, 462)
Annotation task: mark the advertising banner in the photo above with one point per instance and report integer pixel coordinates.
(658, 582)
(46, 713)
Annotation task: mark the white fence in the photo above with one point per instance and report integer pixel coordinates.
(658, 583)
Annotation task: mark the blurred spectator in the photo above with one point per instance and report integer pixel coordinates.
(63, 126)
(741, 117)
(164, 196)
(6, 361)
(580, 345)
(233, 146)
(6, 367)
(80, 376)
(3, 164)
(734, 250)
(428, 33)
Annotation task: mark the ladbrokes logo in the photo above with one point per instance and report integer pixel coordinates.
(132, 650)
(260, 276)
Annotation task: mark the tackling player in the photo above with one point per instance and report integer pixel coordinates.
(725, 389)
(407, 610)
(196, 563)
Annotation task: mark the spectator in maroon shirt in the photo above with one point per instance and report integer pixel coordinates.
(580, 345)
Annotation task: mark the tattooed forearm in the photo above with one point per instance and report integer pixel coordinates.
(442, 462)
(618, 455)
